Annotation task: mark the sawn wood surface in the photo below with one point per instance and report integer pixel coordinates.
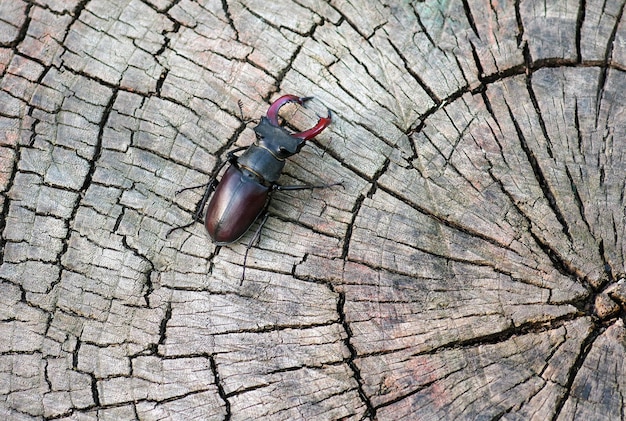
(472, 267)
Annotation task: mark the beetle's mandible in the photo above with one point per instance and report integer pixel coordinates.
(243, 194)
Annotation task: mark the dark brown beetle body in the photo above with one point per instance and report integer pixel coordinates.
(244, 192)
(237, 202)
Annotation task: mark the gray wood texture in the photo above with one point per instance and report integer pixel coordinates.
(472, 267)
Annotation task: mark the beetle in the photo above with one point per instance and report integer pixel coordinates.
(243, 194)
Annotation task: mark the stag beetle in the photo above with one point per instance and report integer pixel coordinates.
(244, 192)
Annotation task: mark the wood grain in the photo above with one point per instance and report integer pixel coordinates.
(471, 267)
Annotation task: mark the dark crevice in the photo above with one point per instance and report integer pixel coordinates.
(357, 207)
(417, 77)
(608, 270)
(489, 109)
(377, 176)
(283, 72)
(445, 222)
(92, 168)
(424, 31)
(163, 10)
(269, 328)
(540, 177)
(46, 375)
(413, 129)
(577, 199)
(95, 395)
(579, 134)
(470, 18)
(148, 274)
(607, 62)
(505, 335)
(163, 326)
(371, 411)
(318, 366)
(23, 31)
(354, 26)
(114, 87)
(520, 24)
(557, 260)
(247, 389)
(229, 18)
(479, 66)
(76, 12)
(161, 81)
(5, 208)
(542, 123)
(348, 236)
(75, 354)
(159, 53)
(555, 257)
(580, 20)
(574, 370)
(220, 387)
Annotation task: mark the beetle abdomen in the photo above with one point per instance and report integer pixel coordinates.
(236, 203)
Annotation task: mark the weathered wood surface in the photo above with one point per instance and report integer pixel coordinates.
(470, 269)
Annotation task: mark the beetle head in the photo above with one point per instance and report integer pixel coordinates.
(277, 140)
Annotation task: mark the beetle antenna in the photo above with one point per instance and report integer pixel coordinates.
(240, 105)
(242, 117)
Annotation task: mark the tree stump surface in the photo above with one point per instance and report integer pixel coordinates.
(472, 267)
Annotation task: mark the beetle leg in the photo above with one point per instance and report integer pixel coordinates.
(177, 192)
(197, 216)
(322, 123)
(210, 188)
(306, 186)
(272, 112)
(231, 157)
(255, 237)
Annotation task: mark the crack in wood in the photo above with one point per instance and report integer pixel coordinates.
(220, 386)
(371, 411)
(584, 350)
(540, 177)
(608, 55)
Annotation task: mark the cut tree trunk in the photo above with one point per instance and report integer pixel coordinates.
(471, 267)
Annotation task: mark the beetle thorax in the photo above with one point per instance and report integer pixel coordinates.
(262, 163)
